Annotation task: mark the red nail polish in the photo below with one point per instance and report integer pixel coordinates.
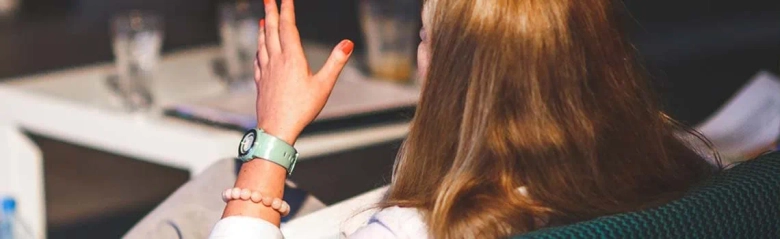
(347, 46)
(262, 23)
(266, 1)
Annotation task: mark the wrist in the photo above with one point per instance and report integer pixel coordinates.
(262, 175)
(286, 134)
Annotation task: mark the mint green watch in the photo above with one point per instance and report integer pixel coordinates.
(258, 144)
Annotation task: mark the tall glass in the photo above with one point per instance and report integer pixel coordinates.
(137, 42)
(390, 28)
(238, 31)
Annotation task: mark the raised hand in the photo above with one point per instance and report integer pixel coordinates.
(289, 95)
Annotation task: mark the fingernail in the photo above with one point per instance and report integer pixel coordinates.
(347, 46)
(266, 1)
(262, 23)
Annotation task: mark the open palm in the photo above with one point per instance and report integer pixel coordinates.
(289, 95)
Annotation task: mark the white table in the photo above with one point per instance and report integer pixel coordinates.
(76, 106)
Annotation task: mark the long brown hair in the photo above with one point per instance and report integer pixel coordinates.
(541, 94)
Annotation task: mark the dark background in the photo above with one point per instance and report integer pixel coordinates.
(699, 52)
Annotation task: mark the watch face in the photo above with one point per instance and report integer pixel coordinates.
(247, 142)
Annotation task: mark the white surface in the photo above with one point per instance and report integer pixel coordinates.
(343, 218)
(749, 122)
(20, 166)
(243, 227)
(158, 139)
(76, 106)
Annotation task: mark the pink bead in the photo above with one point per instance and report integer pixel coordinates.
(276, 204)
(224, 198)
(226, 195)
(256, 197)
(245, 194)
(267, 201)
(285, 209)
(235, 193)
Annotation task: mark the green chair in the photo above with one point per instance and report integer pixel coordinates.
(741, 202)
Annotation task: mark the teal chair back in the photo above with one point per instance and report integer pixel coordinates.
(741, 202)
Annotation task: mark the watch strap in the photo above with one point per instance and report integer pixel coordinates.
(270, 148)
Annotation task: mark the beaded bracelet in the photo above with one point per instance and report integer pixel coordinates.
(248, 195)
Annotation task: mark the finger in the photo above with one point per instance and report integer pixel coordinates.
(262, 50)
(272, 28)
(258, 72)
(288, 31)
(336, 62)
(288, 13)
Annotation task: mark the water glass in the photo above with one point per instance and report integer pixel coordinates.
(137, 42)
(238, 32)
(390, 28)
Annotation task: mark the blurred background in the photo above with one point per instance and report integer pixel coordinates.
(686, 45)
(93, 182)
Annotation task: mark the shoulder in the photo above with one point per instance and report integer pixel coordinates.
(400, 217)
(394, 222)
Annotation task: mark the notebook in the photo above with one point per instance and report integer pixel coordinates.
(356, 100)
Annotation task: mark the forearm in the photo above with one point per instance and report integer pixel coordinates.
(289, 97)
(262, 176)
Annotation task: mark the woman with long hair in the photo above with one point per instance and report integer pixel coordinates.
(533, 113)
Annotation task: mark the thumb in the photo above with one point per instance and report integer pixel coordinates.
(336, 62)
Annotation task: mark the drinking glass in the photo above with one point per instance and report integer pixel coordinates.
(137, 41)
(238, 32)
(390, 28)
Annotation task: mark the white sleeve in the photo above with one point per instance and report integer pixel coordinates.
(393, 223)
(373, 231)
(241, 227)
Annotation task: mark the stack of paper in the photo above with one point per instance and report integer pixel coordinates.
(749, 123)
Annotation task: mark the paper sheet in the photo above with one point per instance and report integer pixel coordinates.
(749, 122)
